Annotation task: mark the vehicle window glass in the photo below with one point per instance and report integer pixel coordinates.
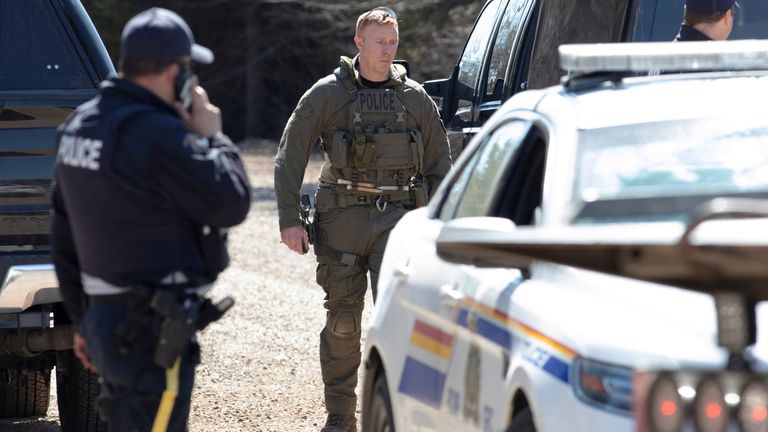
(750, 20)
(672, 159)
(35, 49)
(457, 188)
(472, 59)
(492, 164)
(569, 22)
(502, 50)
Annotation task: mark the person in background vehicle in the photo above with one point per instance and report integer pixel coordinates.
(707, 20)
(386, 152)
(145, 184)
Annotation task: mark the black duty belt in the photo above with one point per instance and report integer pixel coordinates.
(344, 200)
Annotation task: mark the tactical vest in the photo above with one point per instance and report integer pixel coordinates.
(377, 151)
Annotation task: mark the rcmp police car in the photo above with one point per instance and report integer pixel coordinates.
(506, 304)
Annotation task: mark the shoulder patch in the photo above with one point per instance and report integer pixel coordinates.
(196, 143)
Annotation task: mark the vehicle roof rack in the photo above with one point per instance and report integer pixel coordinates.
(585, 64)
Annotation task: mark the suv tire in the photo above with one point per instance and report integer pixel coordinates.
(24, 393)
(76, 389)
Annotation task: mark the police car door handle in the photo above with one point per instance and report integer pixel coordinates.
(450, 297)
(402, 272)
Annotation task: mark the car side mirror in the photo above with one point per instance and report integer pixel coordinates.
(470, 241)
(443, 92)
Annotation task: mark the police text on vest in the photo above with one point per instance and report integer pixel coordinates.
(376, 101)
(79, 152)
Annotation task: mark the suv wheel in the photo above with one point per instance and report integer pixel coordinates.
(76, 389)
(379, 418)
(24, 393)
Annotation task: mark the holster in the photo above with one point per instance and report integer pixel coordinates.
(179, 323)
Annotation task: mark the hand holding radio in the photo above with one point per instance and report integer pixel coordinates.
(199, 115)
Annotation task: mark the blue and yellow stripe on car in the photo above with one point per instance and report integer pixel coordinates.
(552, 357)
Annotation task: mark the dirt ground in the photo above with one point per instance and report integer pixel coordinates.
(260, 369)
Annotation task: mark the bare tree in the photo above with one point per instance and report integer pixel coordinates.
(268, 52)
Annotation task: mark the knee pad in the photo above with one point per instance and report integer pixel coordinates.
(343, 323)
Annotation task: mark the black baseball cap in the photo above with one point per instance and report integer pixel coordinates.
(710, 6)
(161, 34)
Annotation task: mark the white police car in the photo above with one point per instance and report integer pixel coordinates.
(486, 339)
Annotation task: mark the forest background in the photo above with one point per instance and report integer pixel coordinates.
(269, 52)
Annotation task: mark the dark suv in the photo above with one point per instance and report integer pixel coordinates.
(513, 47)
(51, 61)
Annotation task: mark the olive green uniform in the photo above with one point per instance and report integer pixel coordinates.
(385, 151)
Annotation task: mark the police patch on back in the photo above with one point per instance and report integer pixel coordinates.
(79, 152)
(376, 100)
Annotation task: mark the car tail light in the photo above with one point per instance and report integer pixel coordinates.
(710, 412)
(666, 409)
(753, 410)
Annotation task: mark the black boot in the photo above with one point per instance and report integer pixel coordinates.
(340, 423)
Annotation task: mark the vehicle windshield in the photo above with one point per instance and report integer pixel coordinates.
(660, 171)
(32, 31)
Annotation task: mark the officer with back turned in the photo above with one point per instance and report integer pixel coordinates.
(385, 152)
(706, 20)
(145, 186)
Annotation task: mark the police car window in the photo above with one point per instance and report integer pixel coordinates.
(492, 165)
(472, 59)
(502, 50)
(675, 159)
(35, 50)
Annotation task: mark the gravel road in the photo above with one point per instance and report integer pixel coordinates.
(260, 368)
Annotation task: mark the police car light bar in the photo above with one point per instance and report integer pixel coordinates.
(677, 56)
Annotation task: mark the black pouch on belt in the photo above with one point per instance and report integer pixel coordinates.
(213, 245)
(419, 192)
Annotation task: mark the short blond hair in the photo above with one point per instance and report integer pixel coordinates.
(379, 15)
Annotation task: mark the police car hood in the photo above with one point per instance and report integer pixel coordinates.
(642, 289)
(619, 320)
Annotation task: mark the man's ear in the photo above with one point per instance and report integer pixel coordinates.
(172, 71)
(358, 42)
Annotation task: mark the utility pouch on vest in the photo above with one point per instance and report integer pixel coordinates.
(393, 151)
(339, 150)
(417, 149)
(419, 192)
(363, 151)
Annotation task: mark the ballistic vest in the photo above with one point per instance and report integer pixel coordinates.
(377, 147)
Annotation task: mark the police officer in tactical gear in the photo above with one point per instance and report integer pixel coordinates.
(706, 20)
(385, 152)
(145, 187)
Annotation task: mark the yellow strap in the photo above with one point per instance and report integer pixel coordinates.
(163, 416)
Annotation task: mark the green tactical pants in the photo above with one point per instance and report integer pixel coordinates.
(358, 230)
